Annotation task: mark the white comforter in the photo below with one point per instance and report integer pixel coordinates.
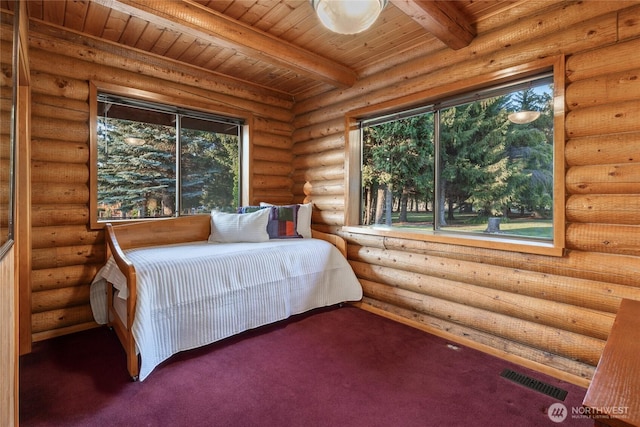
(191, 295)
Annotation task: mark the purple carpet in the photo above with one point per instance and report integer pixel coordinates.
(333, 367)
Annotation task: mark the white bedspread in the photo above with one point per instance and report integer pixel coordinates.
(191, 295)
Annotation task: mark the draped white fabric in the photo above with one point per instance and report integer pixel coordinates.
(190, 295)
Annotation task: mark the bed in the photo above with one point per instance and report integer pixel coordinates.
(167, 287)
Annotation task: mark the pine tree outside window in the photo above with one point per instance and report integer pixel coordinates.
(157, 160)
(459, 167)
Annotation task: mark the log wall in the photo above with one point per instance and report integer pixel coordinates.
(551, 313)
(66, 252)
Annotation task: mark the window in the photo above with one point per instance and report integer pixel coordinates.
(155, 160)
(479, 168)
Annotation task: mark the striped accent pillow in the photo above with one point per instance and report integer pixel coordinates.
(282, 220)
(303, 221)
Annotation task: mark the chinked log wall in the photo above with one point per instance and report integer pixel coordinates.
(552, 313)
(65, 253)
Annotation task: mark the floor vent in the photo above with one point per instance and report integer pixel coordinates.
(532, 383)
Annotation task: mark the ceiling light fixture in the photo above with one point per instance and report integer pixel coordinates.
(523, 117)
(348, 16)
(135, 141)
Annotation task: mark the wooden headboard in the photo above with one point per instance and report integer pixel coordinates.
(182, 229)
(160, 231)
(165, 231)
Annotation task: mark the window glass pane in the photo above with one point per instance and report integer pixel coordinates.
(160, 160)
(398, 172)
(496, 175)
(209, 166)
(136, 163)
(480, 165)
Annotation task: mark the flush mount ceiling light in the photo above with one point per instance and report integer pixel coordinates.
(523, 117)
(348, 16)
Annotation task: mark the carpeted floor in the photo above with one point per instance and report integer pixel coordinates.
(333, 367)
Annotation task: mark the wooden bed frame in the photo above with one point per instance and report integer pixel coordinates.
(124, 236)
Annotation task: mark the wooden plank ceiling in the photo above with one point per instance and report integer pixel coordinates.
(279, 44)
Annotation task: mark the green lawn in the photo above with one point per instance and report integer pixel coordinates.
(524, 227)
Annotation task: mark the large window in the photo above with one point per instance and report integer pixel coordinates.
(478, 168)
(156, 160)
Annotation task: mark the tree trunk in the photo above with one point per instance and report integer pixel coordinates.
(493, 225)
(404, 201)
(388, 205)
(442, 220)
(366, 214)
(379, 204)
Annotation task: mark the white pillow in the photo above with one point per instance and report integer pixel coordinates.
(303, 222)
(303, 226)
(233, 227)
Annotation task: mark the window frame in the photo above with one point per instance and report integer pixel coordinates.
(96, 87)
(353, 149)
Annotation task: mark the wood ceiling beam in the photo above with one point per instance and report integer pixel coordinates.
(443, 19)
(188, 17)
